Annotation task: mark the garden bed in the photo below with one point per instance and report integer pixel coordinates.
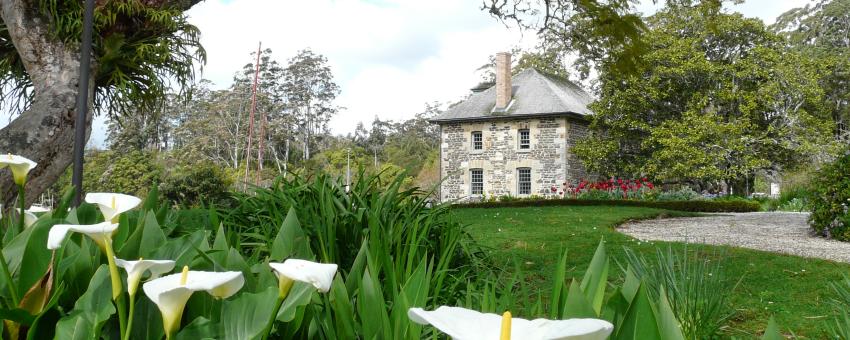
(692, 206)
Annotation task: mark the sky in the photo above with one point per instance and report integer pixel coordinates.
(389, 57)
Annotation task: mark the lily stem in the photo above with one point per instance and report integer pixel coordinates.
(130, 318)
(267, 331)
(122, 315)
(22, 201)
(116, 285)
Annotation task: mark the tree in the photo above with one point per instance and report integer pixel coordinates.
(716, 99)
(140, 47)
(310, 90)
(596, 30)
(822, 32)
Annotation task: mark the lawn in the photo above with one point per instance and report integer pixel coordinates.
(792, 288)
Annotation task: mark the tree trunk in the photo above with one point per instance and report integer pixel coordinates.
(43, 133)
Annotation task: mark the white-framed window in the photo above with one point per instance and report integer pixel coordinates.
(523, 181)
(524, 139)
(477, 140)
(476, 181)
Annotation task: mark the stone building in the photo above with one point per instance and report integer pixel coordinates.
(512, 138)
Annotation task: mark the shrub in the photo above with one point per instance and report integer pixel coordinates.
(830, 199)
(684, 193)
(692, 206)
(204, 183)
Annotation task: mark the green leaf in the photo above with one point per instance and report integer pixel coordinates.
(668, 326)
(631, 285)
(344, 319)
(220, 241)
(299, 296)
(148, 320)
(80, 326)
(372, 309)
(577, 305)
(558, 299)
(596, 278)
(245, 316)
(772, 331)
(640, 322)
(36, 257)
(144, 240)
(200, 329)
(61, 210)
(90, 311)
(291, 240)
(17, 315)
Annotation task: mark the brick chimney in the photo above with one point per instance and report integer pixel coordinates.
(503, 81)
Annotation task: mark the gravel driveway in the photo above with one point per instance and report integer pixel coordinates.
(771, 231)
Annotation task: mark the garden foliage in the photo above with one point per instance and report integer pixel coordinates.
(692, 206)
(830, 200)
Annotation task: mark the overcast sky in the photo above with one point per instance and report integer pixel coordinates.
(389, 57)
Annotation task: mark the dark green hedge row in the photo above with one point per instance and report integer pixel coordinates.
(693, 206)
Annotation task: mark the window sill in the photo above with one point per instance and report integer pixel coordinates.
(475, 152)
(523, 150)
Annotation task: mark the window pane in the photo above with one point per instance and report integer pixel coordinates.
(524, 176)
(477, 181)
(477, 141)
(524, 139)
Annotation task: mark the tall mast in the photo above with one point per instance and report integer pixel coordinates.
(251, 116)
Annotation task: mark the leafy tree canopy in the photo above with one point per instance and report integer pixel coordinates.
(716, 98)
(141, 50)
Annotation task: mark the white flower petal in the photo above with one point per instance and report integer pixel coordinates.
(105, 201)
(170, 295)
(464, 324)
(37, 209)
(320, 275)
(136, 269)
(97, 232)
(57, 235)
(459, 323)
(29, 218)
(19, 165)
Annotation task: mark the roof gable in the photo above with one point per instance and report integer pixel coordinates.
(534, 94)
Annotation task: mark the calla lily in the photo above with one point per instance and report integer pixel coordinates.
(135, 270)
(464, 324)
(100, 233)
(29, 215)
(111, 205)
(171, 292)
(19, 165)
(320, 275)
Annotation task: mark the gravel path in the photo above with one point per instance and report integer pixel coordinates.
(771, 231)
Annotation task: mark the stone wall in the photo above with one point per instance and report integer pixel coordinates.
(548, 158)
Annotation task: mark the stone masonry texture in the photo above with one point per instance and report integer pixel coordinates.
(549, 157)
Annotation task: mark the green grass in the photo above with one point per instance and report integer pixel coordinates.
(792, 288)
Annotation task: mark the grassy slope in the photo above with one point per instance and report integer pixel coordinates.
(792, 288)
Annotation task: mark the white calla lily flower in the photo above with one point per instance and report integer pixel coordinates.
(464, 324)
(136, 269)
(100, 233)
(30, 216)
(111, 205)
(320, 275)
(19, 165)
(171, 292)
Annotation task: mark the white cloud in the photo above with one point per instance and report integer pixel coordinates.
(389, 57)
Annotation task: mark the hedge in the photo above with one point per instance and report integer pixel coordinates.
(692, 206)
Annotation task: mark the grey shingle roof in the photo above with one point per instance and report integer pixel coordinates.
(534, 94)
